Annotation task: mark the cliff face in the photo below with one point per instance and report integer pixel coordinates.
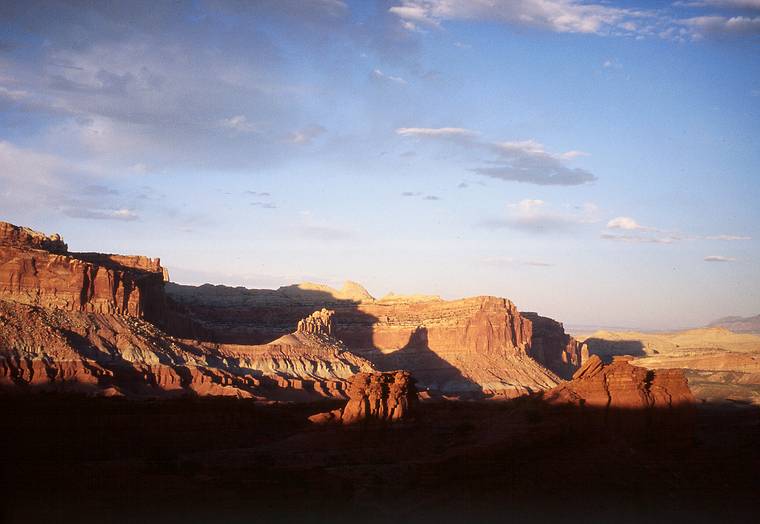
(473, 346)
(470, 347)
(552, 347)
(50, 349)
(39, 270)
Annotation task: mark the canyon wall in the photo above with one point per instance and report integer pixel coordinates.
(304, 337)
(478, 345)
(39, 270)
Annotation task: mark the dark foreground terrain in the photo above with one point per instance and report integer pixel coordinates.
(77, 459)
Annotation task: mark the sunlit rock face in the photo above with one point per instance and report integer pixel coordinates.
(470, 347)
(619, 385)
(38, 270)
(308, 339)
(380, 397)
(52, 349)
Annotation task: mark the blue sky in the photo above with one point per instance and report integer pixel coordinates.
(595, 161)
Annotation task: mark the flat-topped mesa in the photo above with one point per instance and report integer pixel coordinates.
(38, 270)
(24, 237)
(318, 323)
(469, 346)
(382, 397)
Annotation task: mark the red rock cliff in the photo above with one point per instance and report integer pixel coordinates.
(38, 270)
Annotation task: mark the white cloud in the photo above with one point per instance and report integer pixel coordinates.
(640, 239)
(307, 134)
(737, 4)
(13, 94)
(722, 25)
(238, 123)
(719, 258)
(536, 216)
(379, 75)
(563, 16)
(125, 215)
(628, 224)
(502, 261)
(729, 238)
(436, 132)
(569, 155)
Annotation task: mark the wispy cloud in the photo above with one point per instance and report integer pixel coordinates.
(627, 224)
(436, 132)
(421, 195)
(307, 134)
(525, 161)
(503, 261)
(536, 216)
(264, 205)
(379, 75)
(238, 123)
(126, 215)
(715, 25)
(719, 258)
(588, 17)
(563, 16)
(640, 239)
(653, 235)
(728, 238)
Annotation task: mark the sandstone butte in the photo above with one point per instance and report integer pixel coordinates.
(622, 386)
(377, 396)
(113, 324)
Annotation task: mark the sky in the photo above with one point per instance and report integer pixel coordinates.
(596, 161)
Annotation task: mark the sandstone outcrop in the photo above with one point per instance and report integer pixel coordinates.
(38, 270)
(473, 346)
(24, 237)
(552, 347)
(52, 349)
(386, 397)
(318, 323)
(620, 385)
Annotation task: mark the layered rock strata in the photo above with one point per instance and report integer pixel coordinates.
(620, 385)
(38, 270)
(49, 349)
(474, 346)
(385, 397)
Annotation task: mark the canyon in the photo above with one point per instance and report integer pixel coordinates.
(307, 402)
(115, 325)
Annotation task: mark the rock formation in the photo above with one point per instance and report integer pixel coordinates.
(552, 347)
(48, 349)
(38, 270)
(620, 385)
(473, 346)
(374, 397)
(318, 323)
(24, 237)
